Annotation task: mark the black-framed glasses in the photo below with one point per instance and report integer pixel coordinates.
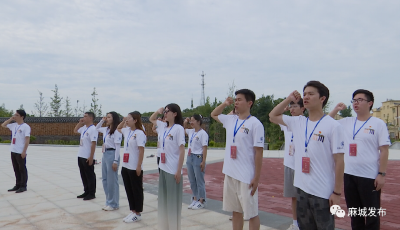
(166, 111)
(359, 100)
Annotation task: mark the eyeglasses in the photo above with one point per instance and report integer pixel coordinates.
(166, 111)
(359, 100)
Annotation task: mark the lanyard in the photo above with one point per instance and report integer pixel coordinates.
(86, 130)
(164, 136)
(17, 128)
(354, 129)
(292, 138)
(306, 142)
(129, 137)
(191, 139)
(104, 140)
(235, 131)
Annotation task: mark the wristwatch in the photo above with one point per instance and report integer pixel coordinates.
(382, 173)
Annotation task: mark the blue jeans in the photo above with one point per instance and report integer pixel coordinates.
(110, 179)
(196, 176)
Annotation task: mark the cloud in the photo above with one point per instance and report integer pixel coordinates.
(141, 55)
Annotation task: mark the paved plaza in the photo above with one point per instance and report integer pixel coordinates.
(54, 182)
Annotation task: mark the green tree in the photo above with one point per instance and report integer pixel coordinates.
(55, 104)
(4, 112)
(40, 107)
(68, 109)
(346, 112)
(94, 106)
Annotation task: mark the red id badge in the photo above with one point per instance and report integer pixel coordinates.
(163, 158)
(189, 151)
(126, 157)
(233, 151)
(14, 139)
(353, 150)
(305, 165)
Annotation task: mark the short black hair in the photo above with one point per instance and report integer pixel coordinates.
(22, 113)
(368, 94)
(300, 103)
(248, 94)
(323, 91)
(91, 114)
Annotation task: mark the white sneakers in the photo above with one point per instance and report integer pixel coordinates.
(293, 227)
(109, 208)
(198, 205)
(192, 204)
(132, 217)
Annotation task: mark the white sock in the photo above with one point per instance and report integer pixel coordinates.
(295, 223)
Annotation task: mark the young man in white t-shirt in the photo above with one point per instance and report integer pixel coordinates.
(21, 133)
(86, 151)
(296, 109)
(367, 151)
(319, 163)
(243, 159)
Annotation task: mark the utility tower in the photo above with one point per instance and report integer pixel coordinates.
(203, 98)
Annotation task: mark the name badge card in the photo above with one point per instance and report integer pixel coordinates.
(305, 165)
(81, 143)
(353, 150)
(233, 151)
(14, 140)
(291, 150)
(189, 151)
(126, 157)
(163, 160)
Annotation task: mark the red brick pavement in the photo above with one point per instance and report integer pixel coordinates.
(271, 191)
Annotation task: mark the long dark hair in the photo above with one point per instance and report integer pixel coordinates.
(115, 122)
(198, 117)
(176, 109)
(138, 117)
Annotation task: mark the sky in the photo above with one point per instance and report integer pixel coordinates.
(142, 55)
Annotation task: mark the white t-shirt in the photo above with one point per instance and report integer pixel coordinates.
(132, 141)
(250, 135)
(371, 136)
(200, 139)
(19, 132)
(288, 160)
(326, 140)
(88, 135)
(172, 139)
(110, 141)
(160, 127)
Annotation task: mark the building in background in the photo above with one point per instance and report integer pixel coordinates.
(389, 113)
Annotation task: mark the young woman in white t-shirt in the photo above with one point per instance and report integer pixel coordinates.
(131, 172)
(196, 160)
(110, 162)
(170, 180)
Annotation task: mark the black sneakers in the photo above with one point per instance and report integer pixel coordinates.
(22, 189)
(83, 195)
(14, 189)
(89, 197)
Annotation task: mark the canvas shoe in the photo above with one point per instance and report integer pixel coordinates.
(198, 205)
(133, 218)
(293, 227)
(128, 216)
(192, 204)
(109, 208)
